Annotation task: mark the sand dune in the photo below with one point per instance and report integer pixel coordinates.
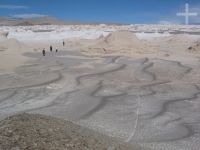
(11, 53)
(119, 43)
(179, 39)
(120, 39)
(189, 42)
(12, 44)
(3, 35)
(195, 47)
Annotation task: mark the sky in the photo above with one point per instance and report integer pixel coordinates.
(111, 11)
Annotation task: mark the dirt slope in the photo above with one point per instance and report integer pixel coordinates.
(28, 132)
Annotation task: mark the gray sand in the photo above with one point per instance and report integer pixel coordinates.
(149, 101)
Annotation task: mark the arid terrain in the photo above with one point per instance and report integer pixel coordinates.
(138, 85)
(30, 132)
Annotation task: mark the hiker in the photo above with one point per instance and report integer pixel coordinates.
(43, 52)
(51, 48)
(63, 43)
(56, 50)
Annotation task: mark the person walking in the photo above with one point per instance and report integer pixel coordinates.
(63, 43)
(51, 48)
(43, 52)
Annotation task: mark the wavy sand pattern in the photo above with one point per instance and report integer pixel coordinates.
(138, 100)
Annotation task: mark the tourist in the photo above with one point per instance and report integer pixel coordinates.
(43, 52)
(51, 48)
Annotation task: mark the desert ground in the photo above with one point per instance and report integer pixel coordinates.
(136, 83)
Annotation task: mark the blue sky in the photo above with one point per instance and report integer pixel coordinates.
(118, 11)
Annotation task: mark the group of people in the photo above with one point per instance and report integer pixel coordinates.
(51, 49)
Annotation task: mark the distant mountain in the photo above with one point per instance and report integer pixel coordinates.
(7, 21)
(32, 21)
(44, 21)
(195, 23)
(24, 23)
